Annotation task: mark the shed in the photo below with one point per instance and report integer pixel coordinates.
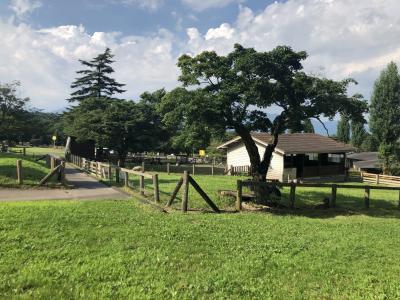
(297, 155)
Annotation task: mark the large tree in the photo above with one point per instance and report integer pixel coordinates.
(239, 91)
(358, 134)
(384, 120)
(96, 80)
(13, 110)
(343, 129)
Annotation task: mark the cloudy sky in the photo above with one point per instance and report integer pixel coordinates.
(42, 40)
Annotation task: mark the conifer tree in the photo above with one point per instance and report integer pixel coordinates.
(384, 120)
(96, 81)
(358, 134)
(343, 129)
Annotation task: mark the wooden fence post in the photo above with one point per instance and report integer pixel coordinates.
(141, 183)
(185, 195)
(292, 194)
(175, 192)
(399, 198)
(232, 171)
(377, 178)
(19, 171)
(239, 195)
(193, 167)
(52, 163)
(168, 165)
(24, 151)
(156, 191)
(366, 197)
(62, 172)
(143, 167)
(126, 179)
(117, 174)
(333, 196)
(110, 172)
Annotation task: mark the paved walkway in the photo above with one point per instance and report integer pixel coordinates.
(86, 187)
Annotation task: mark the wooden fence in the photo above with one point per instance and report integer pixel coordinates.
(380, 179)
(194, 169)
(107, 171)
(55, 164)
(293, 186)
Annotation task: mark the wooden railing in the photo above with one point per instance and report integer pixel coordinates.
(293, 186)
(107, 171)
(380, 179)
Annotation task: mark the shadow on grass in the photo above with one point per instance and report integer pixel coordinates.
(309, 204)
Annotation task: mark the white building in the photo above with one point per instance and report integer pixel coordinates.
(297, 155)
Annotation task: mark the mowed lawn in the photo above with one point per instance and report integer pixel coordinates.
(32, 171)
(123, 249)
(36, 151)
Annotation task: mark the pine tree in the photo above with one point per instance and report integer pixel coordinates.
(95, 81)
(384, 120)
(358, 134)
(343, 129)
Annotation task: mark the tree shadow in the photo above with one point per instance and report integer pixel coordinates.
(310, 204)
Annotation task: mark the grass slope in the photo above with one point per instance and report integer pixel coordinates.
(110, 249)
(32, 171)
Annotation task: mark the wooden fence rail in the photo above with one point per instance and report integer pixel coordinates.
(293, 185)
(380, 179)
(106, 171)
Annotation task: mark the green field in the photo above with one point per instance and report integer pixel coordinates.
(32, 171)
(36, 151)
(122, 249)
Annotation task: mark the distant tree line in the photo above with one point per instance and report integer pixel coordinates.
(220, 96)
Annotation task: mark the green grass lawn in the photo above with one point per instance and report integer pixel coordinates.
(36, 151)
(122, 249)
(32, 171)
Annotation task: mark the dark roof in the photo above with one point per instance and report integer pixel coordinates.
(364, 156)
(297, 143)
(367, 164)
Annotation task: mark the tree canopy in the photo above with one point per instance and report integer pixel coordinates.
(343, 129)
(95, 80)
(239, 90)
(384, 119)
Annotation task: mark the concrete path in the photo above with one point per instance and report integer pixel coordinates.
(86, 187)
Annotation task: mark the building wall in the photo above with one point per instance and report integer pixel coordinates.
(237, 156)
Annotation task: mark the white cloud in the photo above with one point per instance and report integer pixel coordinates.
(45, 61)
(23, 7)
(200, 5)
(343, 38)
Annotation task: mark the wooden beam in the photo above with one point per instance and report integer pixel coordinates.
(333, 196)
(19, 172)
(141, 185)
(292, 194)
(156, 190)
(126, 179)
(185, 192)
(175, 192)
(239, 195)
(51, 174)
(203, 195)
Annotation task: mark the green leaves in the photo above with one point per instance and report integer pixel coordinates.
(95, 82)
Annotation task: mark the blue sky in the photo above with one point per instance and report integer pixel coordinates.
(42, 40)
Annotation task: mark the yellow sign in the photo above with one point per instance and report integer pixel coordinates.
(202, 152)
(54, 138)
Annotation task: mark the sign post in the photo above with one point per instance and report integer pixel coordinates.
(54, 138)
